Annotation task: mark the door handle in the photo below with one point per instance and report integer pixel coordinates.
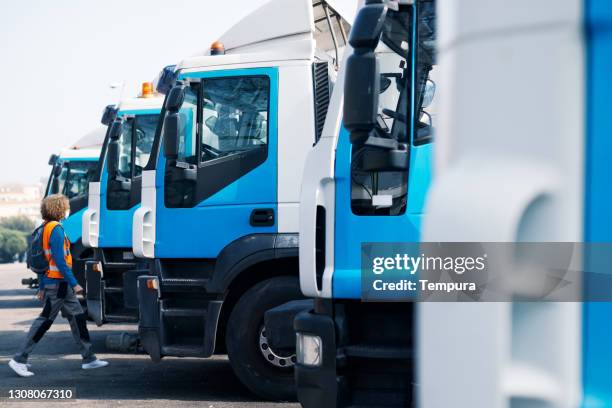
(262, 217)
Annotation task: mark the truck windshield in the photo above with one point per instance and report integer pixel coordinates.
(397, 35)
(73, 179)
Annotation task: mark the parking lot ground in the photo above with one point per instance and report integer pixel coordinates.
(131, 380)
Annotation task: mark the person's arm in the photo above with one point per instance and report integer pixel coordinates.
(41, 281)
(57, 252)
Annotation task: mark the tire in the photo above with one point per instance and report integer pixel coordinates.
(242, 339)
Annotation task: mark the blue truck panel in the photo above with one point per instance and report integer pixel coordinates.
(352, 230)
(116, 225)
(597, 336)
(73, 225)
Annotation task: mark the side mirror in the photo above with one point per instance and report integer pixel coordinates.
(53, 159)
(57, 171)
(362, 82)
(115, 129)
(54, 186)
(175, 98)
(166, 80)
(361, 92)
(171, 129)
(112, 158)
(374, 159)
(368, 26)
(430, 92)
(109, 115)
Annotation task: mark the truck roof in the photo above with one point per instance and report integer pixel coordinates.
(87, 147)
(138, 103)
(282, 30)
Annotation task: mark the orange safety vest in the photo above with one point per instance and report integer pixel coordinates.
(53, 272)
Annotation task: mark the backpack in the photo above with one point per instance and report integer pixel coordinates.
(36, 259)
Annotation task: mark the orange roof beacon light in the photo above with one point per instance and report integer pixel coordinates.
(217, 48)
(147, 90)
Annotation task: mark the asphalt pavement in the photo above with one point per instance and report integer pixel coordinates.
(131, 380)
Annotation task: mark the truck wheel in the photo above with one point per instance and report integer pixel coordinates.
(266, 372)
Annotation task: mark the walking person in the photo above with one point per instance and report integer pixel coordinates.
(57, 289)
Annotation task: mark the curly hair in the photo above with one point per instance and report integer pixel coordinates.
(54, 207)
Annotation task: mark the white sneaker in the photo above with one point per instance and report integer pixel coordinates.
(20, 369)
(94, 364)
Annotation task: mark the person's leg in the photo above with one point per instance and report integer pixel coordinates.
(42, 323)
(73, 311)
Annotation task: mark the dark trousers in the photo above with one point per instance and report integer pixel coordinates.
(59, 296)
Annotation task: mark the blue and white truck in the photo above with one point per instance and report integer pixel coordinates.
(366, 180)
(521, 156)
(220, 194)
(521, 150)
(71, 172)
(114, 196)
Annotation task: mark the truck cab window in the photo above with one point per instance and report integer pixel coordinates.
(125, 150)
(405, 110)
(179, 191)
(393, 122)
(57, 181)
(235, 115)
(79, 175)
(134, 145)
(425, 81)
(220, 118)
(71, 178)
(144, 133)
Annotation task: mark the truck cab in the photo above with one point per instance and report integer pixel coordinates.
(366, 180)
(71, 172)
(219, 217)
(114, 196)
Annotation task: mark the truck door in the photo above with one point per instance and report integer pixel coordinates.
(377, 200)
(222, 184)
(120, 193)
(111, 291)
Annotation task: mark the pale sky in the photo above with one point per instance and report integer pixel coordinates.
(58, 58)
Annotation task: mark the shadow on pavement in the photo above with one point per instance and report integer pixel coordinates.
(56, 363)
(17, 292)
(18, 299)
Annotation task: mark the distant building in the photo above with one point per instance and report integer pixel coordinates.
(17, 199)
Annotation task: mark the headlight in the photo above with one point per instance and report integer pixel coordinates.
(309, 349)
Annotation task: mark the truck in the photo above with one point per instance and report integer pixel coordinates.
(220, 194)
(509, 168)
(533, 168)
(366, 180)
(114, 196)
(71, 172)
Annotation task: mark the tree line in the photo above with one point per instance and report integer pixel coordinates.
(14, 234)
